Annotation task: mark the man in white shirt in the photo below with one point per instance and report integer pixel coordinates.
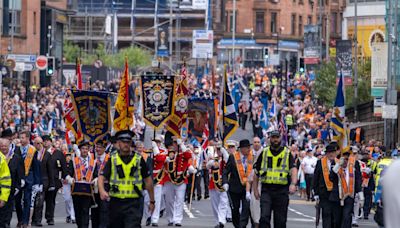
(308, 164)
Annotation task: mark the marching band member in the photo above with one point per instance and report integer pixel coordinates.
(160, 154)
(99, 215)
(219, 197)
(83, 170)
(69, 206)
(176, 167)
(196, 163)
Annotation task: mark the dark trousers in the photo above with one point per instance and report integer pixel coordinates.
(309, 179)
(81, 206)
(242, 120)
(277, 202)
(239, 220)
(347, 212)
(331, 214)
(197, 187)
(50, 198)
(38, 207)
(368, 202)
(99, 215)
(6, 212)
(23, 211)
(206, 180)
(126, 213)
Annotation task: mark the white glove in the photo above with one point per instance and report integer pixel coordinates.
(40, 188)
(361, 196)
(179, 141)
(155, 148)
(336, 167)
(35, 188)
(341, 161)
(316, 198)
(226, 187)
(22, 183)
(51, 189)
(69, 179)
(183, 147)
(16, 191)
(94, 181)
(248, 196)
(192, 170)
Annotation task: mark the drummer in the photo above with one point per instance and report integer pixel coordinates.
(82, 168)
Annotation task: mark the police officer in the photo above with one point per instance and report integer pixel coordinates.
(126, 172)
(7, 187)
(276, 169)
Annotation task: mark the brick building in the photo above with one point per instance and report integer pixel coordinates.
(264, 27)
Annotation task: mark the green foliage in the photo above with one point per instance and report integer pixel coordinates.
(136, 56)
(325, 85)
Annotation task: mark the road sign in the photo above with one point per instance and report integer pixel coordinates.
(202, 47)
(273, 60)
(389, 112)
(98, 63)
(378, 103)
(22, 58)
(41, 62)
(10, 64)
(19, 66)
(29, 66)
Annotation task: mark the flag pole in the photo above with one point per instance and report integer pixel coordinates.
(223, 106)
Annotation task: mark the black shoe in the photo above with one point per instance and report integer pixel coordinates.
(354, 225)
(221, 225)
(154, 224)
(161, 213)
(206, 196)
(198, 198)
(36, 224)
(68, 219)
(50, 222)
(228, 219)
(170, 224)
(178, 224)
(365, 217)
(73, 221)
(148, 221)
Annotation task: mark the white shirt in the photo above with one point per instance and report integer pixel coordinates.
(309, 164)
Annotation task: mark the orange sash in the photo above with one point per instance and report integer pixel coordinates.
(325, 171)
(348, 189)
(239, 165)
(81, 173)
(358, 135)
(29, 158)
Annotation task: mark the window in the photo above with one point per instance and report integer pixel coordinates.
(273, 26)
(14, 16)
(309, 20)
(231, 25)
(333, 23)
(34, 23)
(293, 25)
(340, 23)
(259, 22)
(300, 25)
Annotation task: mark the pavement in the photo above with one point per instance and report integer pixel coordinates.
(301, 214)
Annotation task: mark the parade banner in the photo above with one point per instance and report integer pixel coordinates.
(312, 51)
(92, 110)
(157, 95)
(344, 63)
(201, 114)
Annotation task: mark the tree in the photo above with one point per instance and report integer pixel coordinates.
(325, 85)
(71, 51)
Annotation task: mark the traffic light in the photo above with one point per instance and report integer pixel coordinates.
(293, 64)
(50, 66)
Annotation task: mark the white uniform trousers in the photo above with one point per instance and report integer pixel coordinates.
(146, 203)
(158, 190)
(219, 204)
(174, 200)
(255, 208)
(69, 205)
(356, 210)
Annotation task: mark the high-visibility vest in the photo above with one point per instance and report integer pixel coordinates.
(278, 173)
(130, 184)
(289, 120)
(5, 179)
(383, 164)
(274, 81)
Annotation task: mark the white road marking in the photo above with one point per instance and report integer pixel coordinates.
(189, 213)
(302, 214)
(300, 220)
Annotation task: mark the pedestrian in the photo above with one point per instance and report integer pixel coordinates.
(83, 170)
(69, 205)
(196, 163)
(368, 182)
(10, 176)
(326, 189)
(235, 176)
(99, 214)
(31, 180)
(391, 198)
(308, 165)
(276, 170)
(46, 171)
(128, 174)
(219, 198)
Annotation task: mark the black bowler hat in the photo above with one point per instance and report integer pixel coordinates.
(244, 143)
(124, 135)
(103, 140)
(7, 133)
(274, 133)
(46, 137)
(332, 147)
(83, 143)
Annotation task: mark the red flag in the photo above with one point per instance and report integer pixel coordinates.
(70, 120)
(206, 135)
(78, 74)
(180, 105)
(123, 118)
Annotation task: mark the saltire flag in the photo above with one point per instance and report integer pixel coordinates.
(123, 118)
(179, 114)
(338, 125)
(70, 120)
(264, 120)
(78, 71)
(272, 111)
(230, 120)
(92, 111)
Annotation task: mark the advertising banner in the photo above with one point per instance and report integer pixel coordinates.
(202, 47)
(163, 41)
(312, 49)
(344, 63)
